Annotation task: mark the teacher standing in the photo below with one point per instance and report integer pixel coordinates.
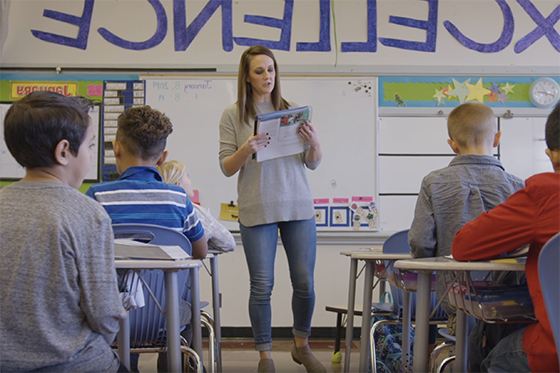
(273, 196)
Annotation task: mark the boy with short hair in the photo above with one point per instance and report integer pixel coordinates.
(530, 216)
(59, 302)
(140, 196)
(474, 181)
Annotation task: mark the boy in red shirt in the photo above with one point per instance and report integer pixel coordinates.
(530, 216)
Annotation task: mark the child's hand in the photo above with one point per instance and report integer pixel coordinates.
(309, 134)
(255, 143)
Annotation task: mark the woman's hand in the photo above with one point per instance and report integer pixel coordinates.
(309, 135)
(255, 143)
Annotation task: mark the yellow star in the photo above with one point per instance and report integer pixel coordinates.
(477, 91)
(508, 88)
(439, 96)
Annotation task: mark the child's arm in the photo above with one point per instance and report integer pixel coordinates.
(422, 234)
(505, 228)
(199, 248)
(219, 237)
(100, 300)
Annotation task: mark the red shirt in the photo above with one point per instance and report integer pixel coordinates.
(530, 216)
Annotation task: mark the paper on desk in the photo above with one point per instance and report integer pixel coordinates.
(125, 248)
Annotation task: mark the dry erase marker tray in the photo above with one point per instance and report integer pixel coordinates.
(488, 300)
(407, 280)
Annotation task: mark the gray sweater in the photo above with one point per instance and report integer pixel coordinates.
(270, 191)
(59, 303)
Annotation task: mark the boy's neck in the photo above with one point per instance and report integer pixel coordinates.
(43, 174)
(475, 151)
(125, 161)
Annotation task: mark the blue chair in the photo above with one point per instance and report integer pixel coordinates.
(549, 277)
(398, 244)
(147, 324)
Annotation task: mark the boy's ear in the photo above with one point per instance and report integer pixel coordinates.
(497, 138)
(116, 148)
(62, 152)
(554, 155)
(453, 146)
(162, 158)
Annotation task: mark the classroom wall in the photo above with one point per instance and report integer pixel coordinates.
(355, 37)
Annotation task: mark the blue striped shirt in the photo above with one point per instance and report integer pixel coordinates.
(140, 196)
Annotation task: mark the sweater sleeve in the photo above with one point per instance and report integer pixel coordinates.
(228, 141)
(505, 228)
(100, 299)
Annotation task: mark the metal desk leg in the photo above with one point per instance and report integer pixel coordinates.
(461, 342)
(350, 313)
(216, 303)
(422, 322)
(172, 318)
(366, 315)
(406, 331)
(123, 341)
(195, 298)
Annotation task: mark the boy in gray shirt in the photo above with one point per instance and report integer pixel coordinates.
(59, 303)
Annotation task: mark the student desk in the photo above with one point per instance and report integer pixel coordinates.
(370, 258)
(425, 267)
(170, 268)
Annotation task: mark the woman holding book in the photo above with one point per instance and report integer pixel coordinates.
(273, 196)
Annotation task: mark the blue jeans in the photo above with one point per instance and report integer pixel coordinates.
(508, 354)
(299, 239)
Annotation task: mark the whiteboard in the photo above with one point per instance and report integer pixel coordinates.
(410, 147)
(10, 169)
(344, 113)
(523, 146)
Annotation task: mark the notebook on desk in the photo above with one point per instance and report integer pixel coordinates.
(125, 249)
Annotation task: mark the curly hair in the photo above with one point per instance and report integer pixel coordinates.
(143, 132)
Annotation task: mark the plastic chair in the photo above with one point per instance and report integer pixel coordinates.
(147, 324)
(549, 277)
(398, 244)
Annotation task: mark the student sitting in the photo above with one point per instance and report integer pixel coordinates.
(530, 216)
(219, 238)
(473, 182)
(139, 195)
(59, 302)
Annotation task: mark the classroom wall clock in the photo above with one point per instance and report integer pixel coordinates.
(544, 92)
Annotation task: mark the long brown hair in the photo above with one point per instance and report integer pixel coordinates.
(245, 102)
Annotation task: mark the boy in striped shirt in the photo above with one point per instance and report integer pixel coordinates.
(140, 196)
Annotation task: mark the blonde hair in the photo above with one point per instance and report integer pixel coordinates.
(472, 124)
(172, 172)
(245, 103)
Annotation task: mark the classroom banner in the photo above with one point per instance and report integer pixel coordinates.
(350, 36)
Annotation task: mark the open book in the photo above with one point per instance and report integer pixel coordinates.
(125, 248)
(282, 128)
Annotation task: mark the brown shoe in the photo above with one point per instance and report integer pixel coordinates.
(303, 355)
(266, 366)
